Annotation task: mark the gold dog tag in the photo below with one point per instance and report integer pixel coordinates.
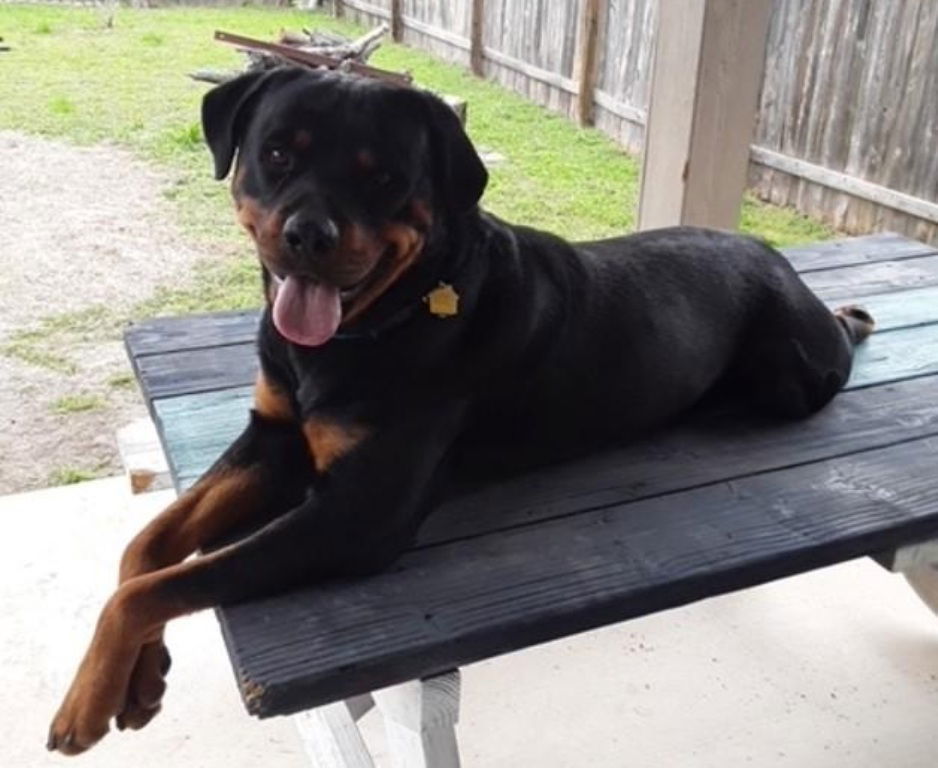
(443, 301)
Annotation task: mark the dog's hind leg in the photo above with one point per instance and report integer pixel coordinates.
(799, 354)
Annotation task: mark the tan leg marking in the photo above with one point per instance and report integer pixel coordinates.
(328, 441)
(215, 505)
(132, 620)
(270, 401)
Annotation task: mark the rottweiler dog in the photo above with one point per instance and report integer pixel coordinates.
(410, 341)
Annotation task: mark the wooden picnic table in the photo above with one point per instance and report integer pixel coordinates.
(723, 502)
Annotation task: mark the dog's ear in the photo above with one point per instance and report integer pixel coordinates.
(460, 174)
(225, 113)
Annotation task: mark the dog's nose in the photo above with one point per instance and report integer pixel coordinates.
(310, 235)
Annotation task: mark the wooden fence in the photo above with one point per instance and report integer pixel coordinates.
(848, 118)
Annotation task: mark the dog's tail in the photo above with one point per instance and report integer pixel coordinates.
(857, 322)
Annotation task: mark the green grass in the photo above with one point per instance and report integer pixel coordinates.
(79, 403)
(31, 349)
(121, 381)
(71, 475)
(128, 85)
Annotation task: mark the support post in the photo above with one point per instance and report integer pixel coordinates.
(338, 9)
(919, 564)
(420, 721)
(330, 736)
(585, 61)
(476, 42)
(708, 68)
(397, 21)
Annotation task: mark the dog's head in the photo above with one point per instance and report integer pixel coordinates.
(340, 181)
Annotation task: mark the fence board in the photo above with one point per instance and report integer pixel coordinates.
(850, 86)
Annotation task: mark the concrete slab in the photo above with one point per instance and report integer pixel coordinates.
(835, 668)
(58, 563)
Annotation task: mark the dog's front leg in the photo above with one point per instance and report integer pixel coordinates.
(366, 512)
(261, 475)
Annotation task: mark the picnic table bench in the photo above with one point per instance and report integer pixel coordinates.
(719, 503)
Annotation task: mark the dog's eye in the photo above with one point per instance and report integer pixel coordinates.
(277, 158)
(382, 178)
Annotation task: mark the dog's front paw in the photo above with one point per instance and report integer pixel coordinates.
(79, 724)
(100, 687)
(146, 687)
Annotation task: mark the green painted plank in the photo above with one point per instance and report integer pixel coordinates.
(896, 355)
(903, 309)
(195, 429)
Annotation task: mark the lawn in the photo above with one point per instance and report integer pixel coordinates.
(69, 77)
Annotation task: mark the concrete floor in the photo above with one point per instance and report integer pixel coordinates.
(836, 668)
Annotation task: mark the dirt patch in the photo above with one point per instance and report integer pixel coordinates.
(83, 228)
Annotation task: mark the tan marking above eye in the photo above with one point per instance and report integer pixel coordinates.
(263, 225)
(421, 213)
(302, 139)
(365, 159)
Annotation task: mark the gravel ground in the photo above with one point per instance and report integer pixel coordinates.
(81, 228)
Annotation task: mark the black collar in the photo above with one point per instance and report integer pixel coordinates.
(449, 275)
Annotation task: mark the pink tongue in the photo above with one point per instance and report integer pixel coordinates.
(307, 313)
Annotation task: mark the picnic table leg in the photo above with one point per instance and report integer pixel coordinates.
(924, 580)
(919, 564)
(420, 720)
(330, 736)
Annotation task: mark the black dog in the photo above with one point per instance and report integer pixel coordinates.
(410, 340)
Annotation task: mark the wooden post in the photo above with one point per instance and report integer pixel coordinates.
(338, 9)
(476, 29)
(330, 736)
(708, 69)
(585, 61)
(397, 21)
(919, 564)
(420, 721)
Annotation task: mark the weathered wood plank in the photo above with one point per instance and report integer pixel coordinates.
(444, 606)
(886, 357)
(172, 334)
(863, 280)
(860, 188)
(850, 251)
(197, 370)
(712, 448)
(899, 349)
